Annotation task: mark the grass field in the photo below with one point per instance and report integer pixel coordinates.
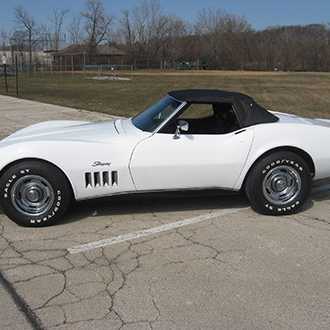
(306, 94)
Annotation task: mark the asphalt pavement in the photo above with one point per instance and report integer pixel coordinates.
(194, 262)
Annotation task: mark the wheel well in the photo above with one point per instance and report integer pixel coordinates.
(303, 154)
(40, 161)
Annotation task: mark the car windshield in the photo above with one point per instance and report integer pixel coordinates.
(154, 116)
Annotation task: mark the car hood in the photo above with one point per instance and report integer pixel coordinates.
(65, 131)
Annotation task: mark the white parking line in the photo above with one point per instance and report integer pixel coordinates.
(154, 230)
(151, 231)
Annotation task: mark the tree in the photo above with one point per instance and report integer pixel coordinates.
(26, 22)
(57, 20)
(224, 38)
(4, 39)
(75, 32)
(174, 44)
(126, 29)
(210, 27)
(148, 32)
(96, 24)
(236, 33)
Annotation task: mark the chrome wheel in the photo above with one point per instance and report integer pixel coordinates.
(281, 185)
(32, 195)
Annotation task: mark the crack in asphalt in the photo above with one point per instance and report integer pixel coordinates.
(21, 304)
(309, 221)
(113, 277)
(96, 286)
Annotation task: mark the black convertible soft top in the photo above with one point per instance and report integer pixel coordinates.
(247, 110)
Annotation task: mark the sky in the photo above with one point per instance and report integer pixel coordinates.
(259, 13)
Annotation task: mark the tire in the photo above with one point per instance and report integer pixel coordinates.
(34, 193)
(278, 184)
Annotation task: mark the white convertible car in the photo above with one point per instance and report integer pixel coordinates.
(189, 140)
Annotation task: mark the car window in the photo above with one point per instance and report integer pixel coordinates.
(154, 116)
(216, 118)
(197, 110)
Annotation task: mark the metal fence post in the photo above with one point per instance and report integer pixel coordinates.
(61, 65)
(84, 65)
(6, 82)
(16, 65)
(72, 64)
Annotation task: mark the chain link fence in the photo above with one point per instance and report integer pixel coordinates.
(109, 71)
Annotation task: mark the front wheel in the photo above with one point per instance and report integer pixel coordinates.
(278, 184)
(34, 193)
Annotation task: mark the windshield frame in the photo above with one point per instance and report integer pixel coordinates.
(165, 121)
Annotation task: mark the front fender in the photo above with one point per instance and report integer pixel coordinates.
(76, 159)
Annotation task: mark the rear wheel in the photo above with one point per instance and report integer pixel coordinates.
(34, 193)
(279, 183)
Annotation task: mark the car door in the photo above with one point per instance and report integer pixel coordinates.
(192, 160)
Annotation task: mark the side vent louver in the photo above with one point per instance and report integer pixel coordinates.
(114, 178)
(101, 179)
(88, 180)
(105, 176)
(97, 179)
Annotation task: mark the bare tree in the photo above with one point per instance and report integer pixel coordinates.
(127, 30)
(146, 18)
(224, 38)
(178, 45)
(236, 32)
(26, 22)
(210, 27)
(150, 30)
(151, 35)
(4, 39)
(75, 31)
(57, 20)
(96, 24)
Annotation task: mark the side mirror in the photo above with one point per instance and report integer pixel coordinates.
(182, 126)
